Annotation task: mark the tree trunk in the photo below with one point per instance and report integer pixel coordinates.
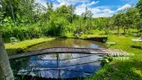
(12, 13)
(124, 31)
(118, 30)
(5, 69)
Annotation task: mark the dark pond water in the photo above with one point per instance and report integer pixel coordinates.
(62, 65)
(77, 43)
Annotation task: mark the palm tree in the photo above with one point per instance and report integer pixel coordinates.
(5, 69)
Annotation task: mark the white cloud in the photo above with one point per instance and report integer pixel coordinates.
(124, 7)
(92, 3)
(62, 2)
(107, 11)
(102, 15)
(79, 10)
(100, 11)
(72, 1)
(97, 12)
(42, 2)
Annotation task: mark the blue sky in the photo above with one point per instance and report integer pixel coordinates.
(99, 8)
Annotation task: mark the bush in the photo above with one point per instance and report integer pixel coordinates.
(22, 33)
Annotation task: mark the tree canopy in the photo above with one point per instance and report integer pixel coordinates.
(25, 19)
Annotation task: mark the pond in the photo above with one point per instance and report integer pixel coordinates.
(77, 43)
(60, 65)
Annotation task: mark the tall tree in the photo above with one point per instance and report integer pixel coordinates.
(26, 11)
(50, 11)
(5, 69)
(87, 16)
(139, 6)
(118, 22)
(106, 22)
(132, 18)
(10, 8)
(71, 13)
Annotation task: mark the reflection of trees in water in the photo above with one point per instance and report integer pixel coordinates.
(65, 56)
(17, 64)
(77, 42)
(67, 43)
(54, 55)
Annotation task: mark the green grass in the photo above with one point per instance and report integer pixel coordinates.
(23, 45)
(122, 69)
(83, 36)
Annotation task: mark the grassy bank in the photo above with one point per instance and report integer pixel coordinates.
(21, 46)
(122, 69)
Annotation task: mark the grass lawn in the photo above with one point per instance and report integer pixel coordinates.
(23, 45)
(122, 69)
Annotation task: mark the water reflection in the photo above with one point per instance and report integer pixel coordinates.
(68, 43)
(64, 65)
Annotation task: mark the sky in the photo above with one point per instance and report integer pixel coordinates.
(99, 8)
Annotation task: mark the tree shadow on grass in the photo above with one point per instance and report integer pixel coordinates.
(138, 47)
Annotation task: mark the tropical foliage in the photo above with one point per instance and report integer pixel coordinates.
(25, 19)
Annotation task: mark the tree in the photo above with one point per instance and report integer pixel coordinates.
(118, 21)
(132, 18)
(26, 11)
(107, 22)
(87, 16)
(127, 18)
(71, 13)
(10, 8)
(139, 6)
(50, 10)
(40, 14)
(139, 25)
(5, 69)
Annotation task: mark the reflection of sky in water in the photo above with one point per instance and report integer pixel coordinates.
(93, 46)
(69, 65)
(88, 46)
(49, 74)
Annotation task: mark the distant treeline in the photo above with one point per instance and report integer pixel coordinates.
(25, 19)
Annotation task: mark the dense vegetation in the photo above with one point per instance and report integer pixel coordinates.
(25, 19)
